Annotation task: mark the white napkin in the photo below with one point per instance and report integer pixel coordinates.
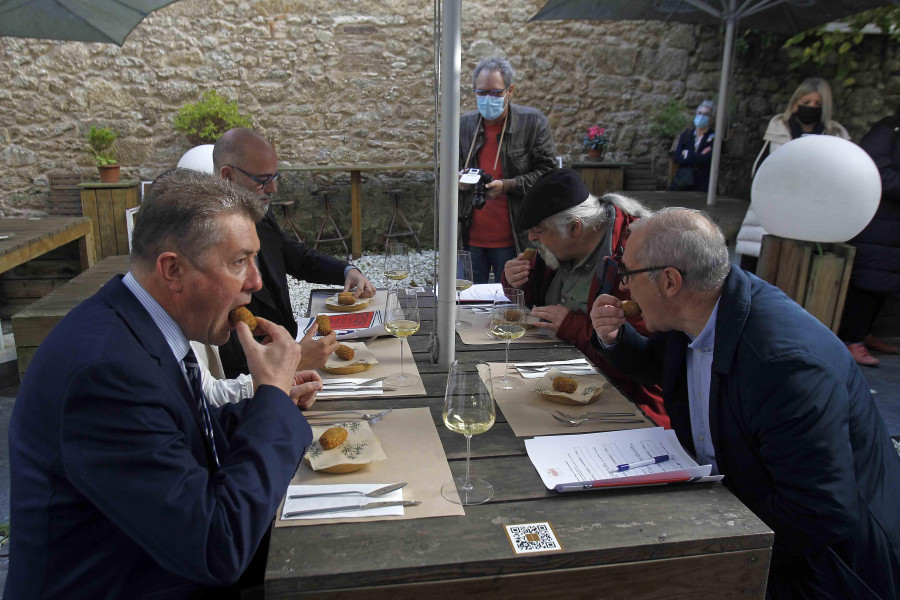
(336, 501)
(374, 389)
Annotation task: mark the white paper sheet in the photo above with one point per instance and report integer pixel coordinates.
(336, 501)
(588, 461)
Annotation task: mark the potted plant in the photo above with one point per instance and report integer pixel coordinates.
(595, 142)
(100, 145)
(205, 121)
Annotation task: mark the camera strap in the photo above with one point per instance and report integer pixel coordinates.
(475, 137)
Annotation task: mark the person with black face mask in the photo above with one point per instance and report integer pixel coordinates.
(808, 113)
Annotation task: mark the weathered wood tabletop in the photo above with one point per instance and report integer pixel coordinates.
(688, 541)
(24, 239)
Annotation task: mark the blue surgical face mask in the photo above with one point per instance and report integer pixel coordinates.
(701, 121)
(490, 108)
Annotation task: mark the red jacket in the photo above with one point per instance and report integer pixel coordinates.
(577, 330)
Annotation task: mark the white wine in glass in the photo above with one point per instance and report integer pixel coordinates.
(469, 410)
(396, 261)
(508, 322)
(463, 282)
(401, 319)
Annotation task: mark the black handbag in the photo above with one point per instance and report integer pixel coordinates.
(683, 180)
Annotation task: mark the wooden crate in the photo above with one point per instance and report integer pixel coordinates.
(65, 195)
(105, 205)
(600, 178)
(639, 175)
(815, 280)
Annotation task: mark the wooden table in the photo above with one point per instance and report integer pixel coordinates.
(24, 239)
(690, 541)
(356, 189)
(602, 177)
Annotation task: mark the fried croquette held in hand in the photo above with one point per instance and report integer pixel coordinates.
(242, 313)
(631, 309)
(324, 324)
(346, 298)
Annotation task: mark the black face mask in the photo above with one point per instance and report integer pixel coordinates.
(809, 115)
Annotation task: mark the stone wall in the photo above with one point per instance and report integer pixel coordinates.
(352, 82)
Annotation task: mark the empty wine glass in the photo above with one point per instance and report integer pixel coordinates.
(508, 323)
(396, 261)
(401, 319)
(463, 282)
(469, 410)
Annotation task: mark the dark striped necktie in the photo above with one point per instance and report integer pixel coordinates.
(193, 373)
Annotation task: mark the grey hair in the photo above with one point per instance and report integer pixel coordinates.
(808, 86)
(593, 215)
(182, 213)
(495, 63)
(711, 106)
(688, 240)
(230, 148)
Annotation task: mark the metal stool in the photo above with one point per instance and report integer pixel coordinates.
(338, 237)
(395, 194)
(287, 210)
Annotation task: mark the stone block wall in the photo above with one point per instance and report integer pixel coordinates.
(353, 82)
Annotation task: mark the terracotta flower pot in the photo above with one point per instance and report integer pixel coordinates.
(595, 154)
(109, 174)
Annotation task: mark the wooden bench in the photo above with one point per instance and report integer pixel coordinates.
(33, 324)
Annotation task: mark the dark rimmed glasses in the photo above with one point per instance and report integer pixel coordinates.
(624, 275)
(491, 93)
(263, 183)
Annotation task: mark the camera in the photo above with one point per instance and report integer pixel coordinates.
(478, 178)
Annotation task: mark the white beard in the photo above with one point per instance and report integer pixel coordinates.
(548, 256)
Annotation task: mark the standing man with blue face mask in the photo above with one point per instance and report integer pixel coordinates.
(513, 145)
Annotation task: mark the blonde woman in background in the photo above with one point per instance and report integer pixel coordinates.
(809, 112)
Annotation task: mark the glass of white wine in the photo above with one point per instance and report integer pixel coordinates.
(468, 409)
(508, 322)
(401, 319)
(396, 261)
(463, 282)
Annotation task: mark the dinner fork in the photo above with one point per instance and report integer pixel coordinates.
(577, 422)
(364, 415)
(589, 413)
(371, 421)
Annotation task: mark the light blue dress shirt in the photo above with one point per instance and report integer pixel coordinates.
(171, 331)
(699, 373)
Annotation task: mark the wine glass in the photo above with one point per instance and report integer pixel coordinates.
(396, 261)
(463, 282)
(508, 323)
(468, 409)
(401, 319)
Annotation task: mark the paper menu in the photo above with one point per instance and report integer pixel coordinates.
(587, 461)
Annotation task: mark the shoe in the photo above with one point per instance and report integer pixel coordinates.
(861, 355)
(879, 345)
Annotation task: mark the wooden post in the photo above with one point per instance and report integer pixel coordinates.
(356, 211)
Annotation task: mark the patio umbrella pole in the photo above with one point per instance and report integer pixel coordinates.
(449, 192)
(730, 26)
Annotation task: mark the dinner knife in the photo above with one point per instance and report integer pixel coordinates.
(378, 492)
(369, 506)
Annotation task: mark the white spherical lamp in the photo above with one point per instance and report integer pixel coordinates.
(198, 158)
(817, 188)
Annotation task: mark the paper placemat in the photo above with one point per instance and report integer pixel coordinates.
(414, 454)
(478, 334)
(387, 351)
(317, 302)
(528, 414)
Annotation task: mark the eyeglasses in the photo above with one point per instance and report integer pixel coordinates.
(624, 275)
(263, 183)
(491, 93)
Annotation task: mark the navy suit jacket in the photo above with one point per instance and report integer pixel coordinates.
(280, 255)
(796, 435)
(114, 491)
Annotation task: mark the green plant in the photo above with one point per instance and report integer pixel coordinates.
(100, 145)
(824, 44)
(205, 121)
(670, 119)
(596, 138)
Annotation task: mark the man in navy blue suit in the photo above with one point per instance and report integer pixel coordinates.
(125, 482)
(758, 388)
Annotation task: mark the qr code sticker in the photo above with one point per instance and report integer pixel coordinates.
(528, 538)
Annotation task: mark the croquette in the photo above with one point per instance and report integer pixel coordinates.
(528, 254)
(324, 324)
(346, 298)
(333, 438)
(344, 352)
(631, 308)
(566, 385)
(242, 313)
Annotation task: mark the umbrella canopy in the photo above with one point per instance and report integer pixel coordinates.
(780, 16)
(75, 20)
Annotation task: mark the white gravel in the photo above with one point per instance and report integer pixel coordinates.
(422, 273)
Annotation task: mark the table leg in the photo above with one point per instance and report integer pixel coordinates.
(356, 211)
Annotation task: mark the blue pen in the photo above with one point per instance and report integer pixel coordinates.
(642, 463)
